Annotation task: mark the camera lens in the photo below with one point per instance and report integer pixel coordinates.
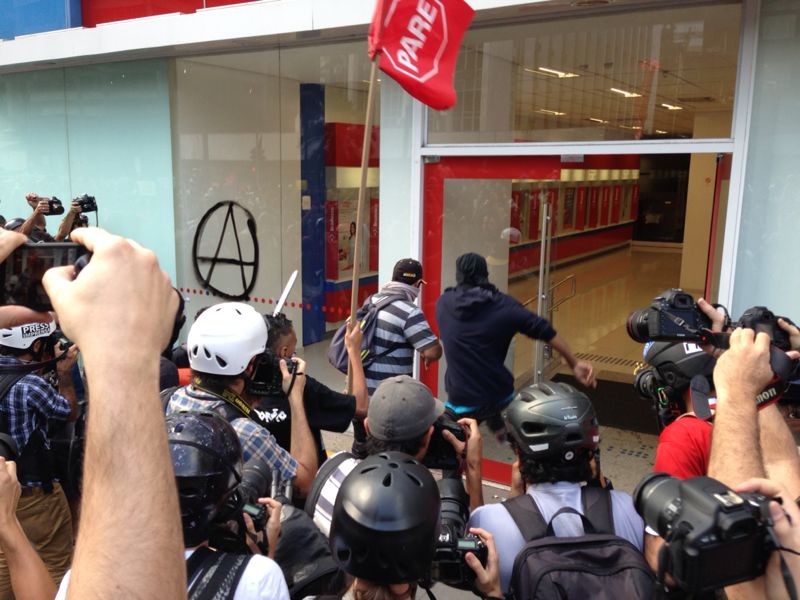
(654, 499)
(256, 480)
(637, 326)
(645, 383)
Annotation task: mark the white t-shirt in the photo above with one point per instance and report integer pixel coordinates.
(262, 578)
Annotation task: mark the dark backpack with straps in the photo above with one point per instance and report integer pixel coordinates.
(214, 575)
(598, 565)
(367, 317)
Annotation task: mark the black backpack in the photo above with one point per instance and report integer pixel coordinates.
(598, 565)
(367, 317)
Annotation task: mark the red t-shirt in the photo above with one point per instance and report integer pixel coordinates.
(684, 447)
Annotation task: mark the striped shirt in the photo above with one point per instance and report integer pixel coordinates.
(401, 325)
(322, 510)
(255, 439)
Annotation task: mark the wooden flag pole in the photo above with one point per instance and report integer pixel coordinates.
(362, 191)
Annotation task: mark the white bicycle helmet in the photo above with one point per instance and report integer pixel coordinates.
(22, 336)
(224, 339)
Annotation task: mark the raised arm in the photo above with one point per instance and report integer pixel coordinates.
(303, 448)
(120, 311)
(352, 341)
(29, 577)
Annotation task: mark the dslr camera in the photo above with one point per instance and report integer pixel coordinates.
(441, 454)
(86, 203)
(760, 318)
(715, 537)
(449, 566)
(672, 315)
(54, 205)
(267, 379)
(256, 483)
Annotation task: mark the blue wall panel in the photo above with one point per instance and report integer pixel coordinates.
(312, 172)
(102, 130)
(21, 17)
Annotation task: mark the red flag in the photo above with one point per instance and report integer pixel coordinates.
(418, 42)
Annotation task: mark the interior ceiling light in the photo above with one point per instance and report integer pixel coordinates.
(555, 113)
(661, 131)
(671, 106)
(559, 74)
(596, 120)
(626, 94)
(634, 127)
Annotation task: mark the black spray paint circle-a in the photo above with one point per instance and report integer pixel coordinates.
(206, 266)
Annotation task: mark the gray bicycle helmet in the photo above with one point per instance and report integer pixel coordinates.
(386, 520)
(552, 422)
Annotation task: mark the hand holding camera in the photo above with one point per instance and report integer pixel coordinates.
(487, 573)
(95, 309)
(263, 531)
(744, 367)
(786, 525)
(293, 376)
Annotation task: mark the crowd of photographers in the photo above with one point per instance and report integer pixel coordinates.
(223, 488)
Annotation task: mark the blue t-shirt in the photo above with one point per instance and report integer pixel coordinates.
(550, 497)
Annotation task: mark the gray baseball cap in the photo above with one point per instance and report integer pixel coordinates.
(401, 409)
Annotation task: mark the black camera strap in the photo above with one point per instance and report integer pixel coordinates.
(25, 368)
(231, 399)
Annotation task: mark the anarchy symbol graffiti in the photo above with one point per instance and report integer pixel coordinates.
(205, 267)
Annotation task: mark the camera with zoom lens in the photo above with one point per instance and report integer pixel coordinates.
(267, 379)
(449, 566)
(256, 483)
(715, 537)
(672, 315)
(441, 454)
(86, 203)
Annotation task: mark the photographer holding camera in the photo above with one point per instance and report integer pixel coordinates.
(207, 461)
(403, 416)
(751, 439)
(30, 405)
(74, 218)
(224, 344)
(385, 529)
(325, 408)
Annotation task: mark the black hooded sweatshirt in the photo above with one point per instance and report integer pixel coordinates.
(477, 324)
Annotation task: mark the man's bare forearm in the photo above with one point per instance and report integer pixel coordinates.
(360, 390)
(560, 344)
(303, 448)
(779, 449)
(127, 467)
(29, 577)
(735, 451)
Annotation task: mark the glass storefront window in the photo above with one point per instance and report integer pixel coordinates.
(652, 74)
(279, 133)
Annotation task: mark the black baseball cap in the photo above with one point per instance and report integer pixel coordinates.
(407, 270)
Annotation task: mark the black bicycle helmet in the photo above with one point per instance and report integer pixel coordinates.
(14, 224)
(386, 520)
(552, 422)
(207, 460)
(678, 362)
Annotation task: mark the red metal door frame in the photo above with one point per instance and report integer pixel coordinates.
(495, 167)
